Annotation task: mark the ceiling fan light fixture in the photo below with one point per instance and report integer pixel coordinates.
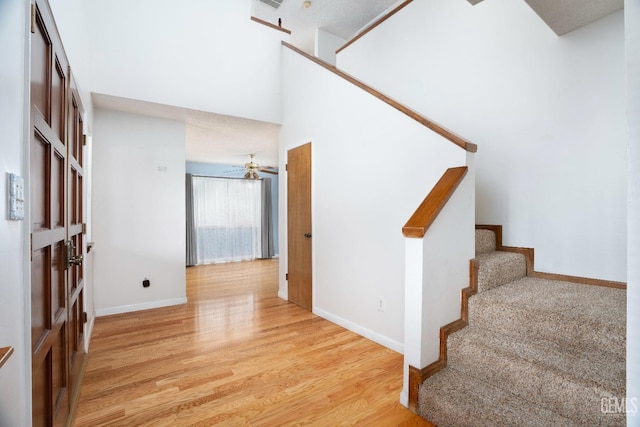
(253, 168)
(251, 174)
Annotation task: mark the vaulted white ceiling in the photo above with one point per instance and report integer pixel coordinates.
(215, 138)
(222, 139)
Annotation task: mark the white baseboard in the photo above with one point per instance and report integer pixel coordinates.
(404, 399)
(373, 336)
(137, 307)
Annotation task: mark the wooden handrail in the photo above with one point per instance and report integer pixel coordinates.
(372, 26)
(270, 25)
(440, 130)
(5, 352)
(431, 206)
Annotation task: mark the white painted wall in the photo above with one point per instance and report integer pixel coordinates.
(15, 329)
(138, 212)
(372, 167)
(632, 27)
(547, 112)
(326, 45)
(72, 23)
(203, 55)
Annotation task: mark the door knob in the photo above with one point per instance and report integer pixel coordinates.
(69, 258)
(307, 235)
(76, 260)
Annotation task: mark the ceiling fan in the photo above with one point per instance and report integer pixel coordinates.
(253, 169)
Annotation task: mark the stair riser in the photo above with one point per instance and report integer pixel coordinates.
(594, 366)
(485, 241)
(456, 400)
(499, 268)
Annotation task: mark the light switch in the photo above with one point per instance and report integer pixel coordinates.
(16, 197)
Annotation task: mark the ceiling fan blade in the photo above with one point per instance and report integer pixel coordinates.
(234, 170)
(271, 171)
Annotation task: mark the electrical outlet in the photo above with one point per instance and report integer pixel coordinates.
(381, 305)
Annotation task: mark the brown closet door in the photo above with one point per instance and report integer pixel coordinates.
(300, 289)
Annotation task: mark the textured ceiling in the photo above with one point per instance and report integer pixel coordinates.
(214, 138)
(343, 18)
(564, 16)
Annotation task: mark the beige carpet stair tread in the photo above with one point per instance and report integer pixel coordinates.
(573, 315)
(541, 372)
(452, 399)
(498, 268)
(471, 345)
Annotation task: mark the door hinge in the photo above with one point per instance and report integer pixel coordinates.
(286, 276)
(84, 228)
(84, 140)
(31, 245)
(33, 18)
(286, 167)
(84, 316)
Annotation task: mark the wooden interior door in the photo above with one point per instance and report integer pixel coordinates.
(48, 154)
(55, 191)
(299, 226)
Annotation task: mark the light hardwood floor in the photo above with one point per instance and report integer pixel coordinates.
(236, 354)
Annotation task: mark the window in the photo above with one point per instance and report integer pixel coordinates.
(227, 217)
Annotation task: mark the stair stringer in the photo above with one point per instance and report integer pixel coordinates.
(416, 375)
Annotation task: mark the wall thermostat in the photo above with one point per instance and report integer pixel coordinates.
(16, 197)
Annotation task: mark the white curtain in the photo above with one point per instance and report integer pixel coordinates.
(227, 217)
(192, 252)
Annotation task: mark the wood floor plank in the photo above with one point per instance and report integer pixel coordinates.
(236, 354)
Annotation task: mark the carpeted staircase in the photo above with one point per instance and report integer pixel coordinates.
(536, 352)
